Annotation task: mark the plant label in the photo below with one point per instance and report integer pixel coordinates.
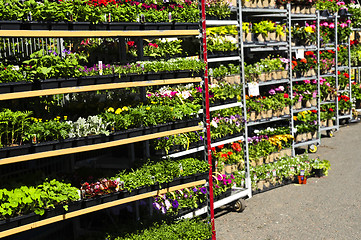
(302, 173)
(79, 194)
(300, 53)
(242, 183)
(253, 88)
(100, 65)
(121, 185)
(274, 173)
(180, 168)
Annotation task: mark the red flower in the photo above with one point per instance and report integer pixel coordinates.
(220, 146)
(308, 53)
(330, 109)
(330, 51)
(130, 43)
(236, 147)
(338, 48)
(304, 60)
(314, 111)
(230, 153)
(346, 75)
(285, 95)
(213, 149)
(224, 155)
(338, 72)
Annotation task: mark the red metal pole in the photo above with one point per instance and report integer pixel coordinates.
(208, 121)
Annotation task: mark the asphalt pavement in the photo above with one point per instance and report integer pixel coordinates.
(324, 208)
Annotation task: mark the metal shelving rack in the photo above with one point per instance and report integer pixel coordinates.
(312, 144)
(60, 152)
(330, 129)
(279, 46)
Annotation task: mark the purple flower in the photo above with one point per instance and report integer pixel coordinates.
(163, 210)
(203, 190)
(272, 92)
(195, 189)
(156, 206)
(175, 204)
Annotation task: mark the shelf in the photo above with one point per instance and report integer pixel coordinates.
(235, 139)
(269, 120)
(265, 10)
(230, 105)
(66, 151)
(327, 48)
(272, 82)
(221, 22)
(304, 78)
(345, 116)
(201, 148)
(274, 48)
(37, 93)
(310, 142)
(97, 208)
(356, 29)
(301, 16)
(328, 75)
(343, 91)
(224, 59)
(304, 109)
(265, 44)
(306, 48)
(340, 68)
(82, 34)
(328, 102)
(237, 193)
(328, 128)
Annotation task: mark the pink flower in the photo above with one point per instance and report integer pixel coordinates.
(325, 24)
(348, 21)
(327, 84)
(340, 3)
(343, 25)
(331, 25)
(307, 81)
(314, 81)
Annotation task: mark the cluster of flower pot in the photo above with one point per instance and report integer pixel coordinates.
(277, 104)
(331, 7)
(21, 134)
(259, 4)
(327, 114)
(267, 69)
(285, 170)
(187, 200)
(264, 31)
(221, 41)
(306, 125)
(304, 34)
(44, 71)
(305, 94)
(24, 205)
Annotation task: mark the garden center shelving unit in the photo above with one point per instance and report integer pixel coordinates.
(250, 13)
(107, 144)
(316, 140)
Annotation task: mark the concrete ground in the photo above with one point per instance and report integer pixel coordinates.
(324, 208)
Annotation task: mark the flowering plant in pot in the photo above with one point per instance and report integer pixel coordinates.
(344, 30)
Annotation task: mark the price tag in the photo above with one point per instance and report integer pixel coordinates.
(100, 65)
(300, 53)
(253, 88)
(180, 168)
(170, 16)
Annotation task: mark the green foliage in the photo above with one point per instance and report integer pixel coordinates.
(25, 199)
(194, 229)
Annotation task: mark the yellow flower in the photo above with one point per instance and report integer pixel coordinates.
(125, 108)
(147, 108)
(35, 120)
(110, 109)
(295, 118)
(153, 102)
(57, 117)
(65, 118)
(40, 119)
(171, 109)
(309, 29)
(118, 111)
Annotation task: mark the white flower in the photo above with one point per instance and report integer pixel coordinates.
(15, 68)
(256, 131)
(186, 94)
(214, 124)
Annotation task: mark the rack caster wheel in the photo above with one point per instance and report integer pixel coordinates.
(312, 148)
(330, 133)
(239, 205)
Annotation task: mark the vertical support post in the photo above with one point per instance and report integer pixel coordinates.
(290, 76)
(248, 182)
(349, 70)
(318, 77)
(336, 71)
(206, 114)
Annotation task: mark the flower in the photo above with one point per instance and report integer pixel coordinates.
(203, 190)
(118, 111)
(307, 81)
(331, 25)
(195, 189)
(272, 92)
(175, 204)
(285, 95)
(220, 146)
(130, 43)
(110, 109)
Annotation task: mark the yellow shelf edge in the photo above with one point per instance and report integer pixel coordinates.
(66, 151)
(108, 86)
(83, 34)
(96, 208)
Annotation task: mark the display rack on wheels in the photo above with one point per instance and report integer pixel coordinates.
(116, 200)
